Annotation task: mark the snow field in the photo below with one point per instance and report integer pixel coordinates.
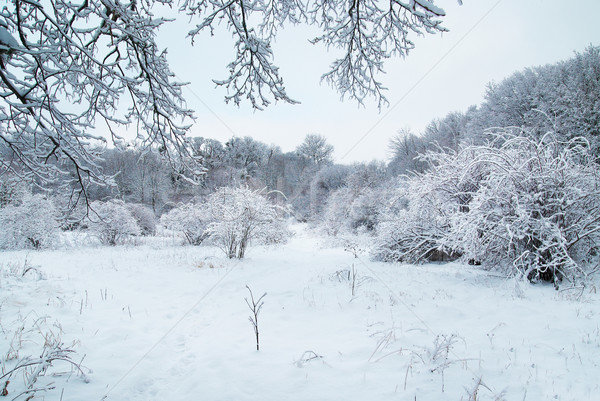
(171, 322)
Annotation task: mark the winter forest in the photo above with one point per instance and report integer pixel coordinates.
(172, 266)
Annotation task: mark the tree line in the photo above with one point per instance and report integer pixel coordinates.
(510, 184)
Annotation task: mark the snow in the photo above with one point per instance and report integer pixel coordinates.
(163, 321)
(7, 41)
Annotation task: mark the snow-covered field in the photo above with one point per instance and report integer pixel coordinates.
(166, 322)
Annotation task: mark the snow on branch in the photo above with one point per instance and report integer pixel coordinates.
(67, 68)
(518, 205)
(367, 32)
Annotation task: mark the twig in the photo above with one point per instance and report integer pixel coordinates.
(255, 306)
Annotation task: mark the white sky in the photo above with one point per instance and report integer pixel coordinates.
(488, 40)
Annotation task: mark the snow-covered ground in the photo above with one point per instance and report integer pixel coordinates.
(166, 322)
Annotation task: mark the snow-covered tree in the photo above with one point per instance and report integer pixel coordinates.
(239, 216)
(355, 205)
(561, 97)
(316, 149)
(65, 66)
(245, 154)
(327, 180)
(366, 31)
(112, 222)
(405, 148)
(31, 223)
(12, 190)
(190, 219)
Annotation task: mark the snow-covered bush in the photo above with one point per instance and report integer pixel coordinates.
(516, 205)
(239, 216)
(414, 224)
(347, 212)
(278, 232)
(354, 207)
(144, 216)
(31, 224)
(537, 210)
(417, 220)
(190, 219)
(12, 190)
(112, 222)
(336, 211)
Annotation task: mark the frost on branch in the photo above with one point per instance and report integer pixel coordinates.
(63, 73)
(517, 205)
(366, 32)
(239, 216)
(252, 75)
(30, 223)
(111, 222)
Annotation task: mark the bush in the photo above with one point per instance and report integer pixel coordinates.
(536, 211)
(31, 224)
(190, 219)
(516, 205)
(416, 223)
(238, 216)
(144, 217)
(112, 222)
(351, 211)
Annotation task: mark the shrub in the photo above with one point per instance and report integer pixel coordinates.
(190, 219)
(417, 221)
(144, 217)
(536, 211)
(238, 216)
(112, 222)
(31, 224)
(517, 205)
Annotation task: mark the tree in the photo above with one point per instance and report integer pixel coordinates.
(246, 154)
(65, 66)
(12, 190)
(561, 98)
(352, 204)
(316, 149)
(405, 148)
(31, 223)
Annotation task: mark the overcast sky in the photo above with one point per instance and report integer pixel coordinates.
(488, 40)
